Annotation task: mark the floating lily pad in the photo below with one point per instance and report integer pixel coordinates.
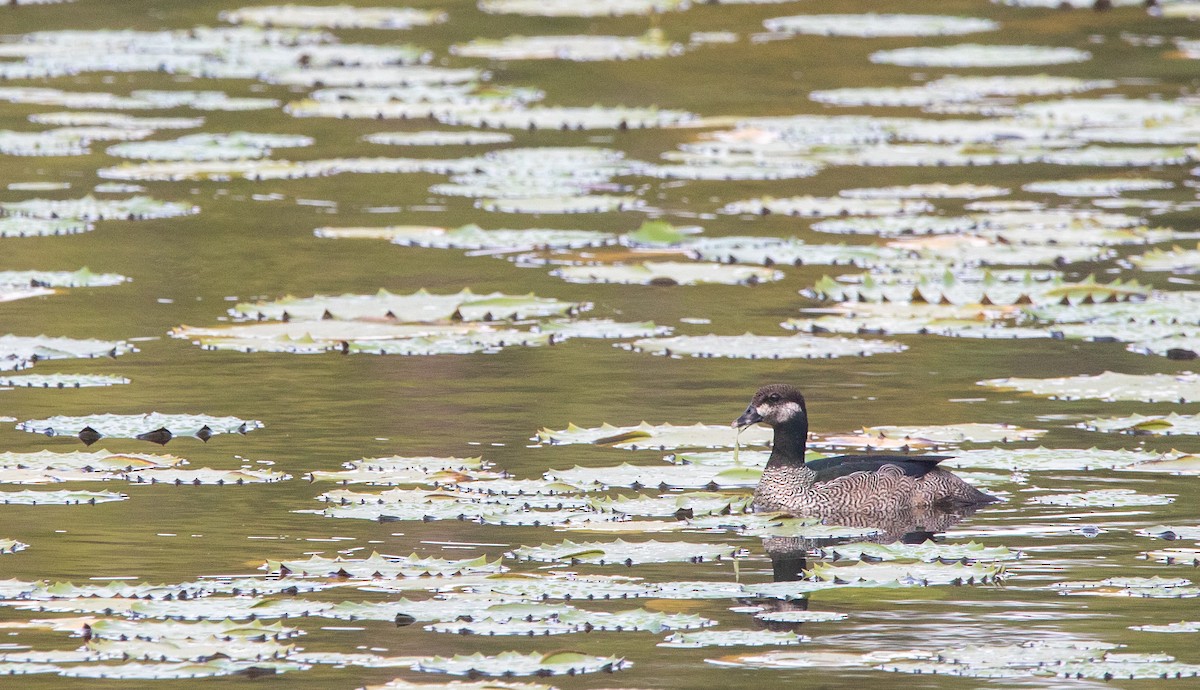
(1096, 187)
(787, 659)
(39, 227)
(621, 552)
(731, 638)
(576, 48)
(439, 138)
(907, 574)
(658, 437)
(750, 346)
(970, 552)
(1145, 587)
(1147, 425)
(976, 55)
(378, 566)
(418, 307)
(661, 476)
(400, 684)
(206, 475)
(26, 349)
(1175, 260)
(1051, 459)
(90, 208)
(925, 191)
(11, 546)
(1109, 387)
(1172, 532)
(800, 616)
(1181, 555)
(409, 470)
(61, 381)
(67, 498)
(334, 16)
(564, 586)
(668, 273)
(1104, 498)
(155, 427)
(691, 503)
(517, 664)
(203, 147)
(475, 238)
(772, 251)
(180, 670)
(875, 25)
(1180, 627)
(590, 203)
(567, 8)
(829, 206)
(568, 118)
(958, 433)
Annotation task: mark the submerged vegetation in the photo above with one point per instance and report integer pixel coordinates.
(968, 230)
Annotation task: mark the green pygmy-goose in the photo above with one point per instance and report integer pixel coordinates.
(846, 483)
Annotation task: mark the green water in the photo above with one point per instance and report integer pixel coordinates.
(323, 410)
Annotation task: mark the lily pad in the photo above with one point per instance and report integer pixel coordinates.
(155, 427)
(379, 566)
(517, 664)
(907, 574)
(658, 437)
(334, 16)
(206, 475)
(925, 191)
(1096, 187)
(976, 55)
(668, 273)
(1180, 627)
(91, 208)
(1104, 498)
(1052, 459)
(439, 138)
(26, 349)
(418, 307)
(204, 147)
(61, 381)
(958, 433)
(929, 551)
(473, 237)
(621, 552)
(11, 546)
(876, 25)
(400, 684)
(1176, 260)
(39, 227)
(1109, 387)
(575, 48)
(660, 476)
(750, 346)
(810, 206)
(800, 616)
(1172, 424)
(567, 8)
(65, 498)
(731, 638)
(567, 118)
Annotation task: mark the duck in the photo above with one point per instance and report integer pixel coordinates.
(845, 484)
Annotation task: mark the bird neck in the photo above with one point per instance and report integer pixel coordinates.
(791, 440)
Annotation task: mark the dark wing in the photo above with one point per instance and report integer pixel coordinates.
(842, 465)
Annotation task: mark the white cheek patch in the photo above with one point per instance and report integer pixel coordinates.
(787, 411)
(779, 413)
